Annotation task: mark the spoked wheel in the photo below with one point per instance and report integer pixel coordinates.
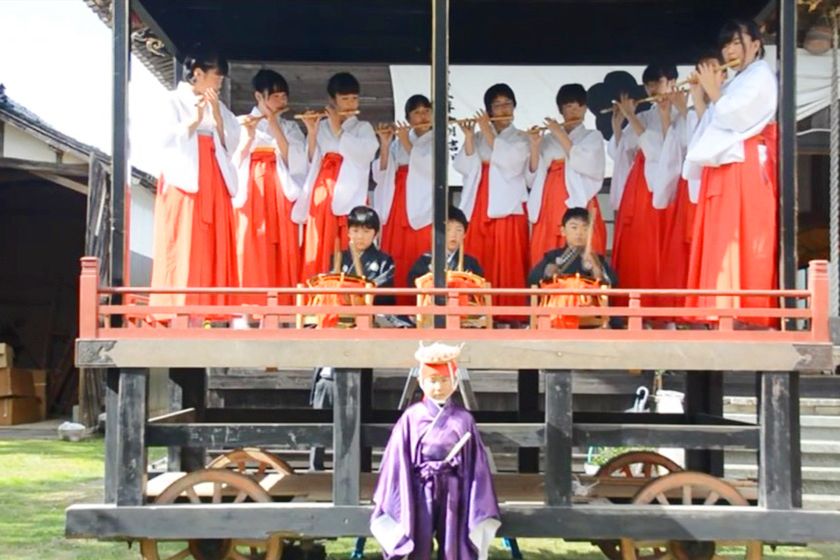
(251, 460)
(213, 486)
(636, 465)
(690, 488)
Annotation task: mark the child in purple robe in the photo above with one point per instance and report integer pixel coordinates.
(435, 480)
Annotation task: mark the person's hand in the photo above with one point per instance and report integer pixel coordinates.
(484, 124)
(263, 108)
(627, 105)
(310, 121)
(385, 132)
(212, 98)
(402, 130)
(534, 136)
(555, 127)
(707, 76)
(617, 120)
(550, 270)
(250, 125)
(591, 262)
(467, 126)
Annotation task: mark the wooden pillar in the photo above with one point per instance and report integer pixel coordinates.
(173, 454)
(112, 391)
(558, 438)
(193, 383)
(366, 415)
(347, 437)
(779, 457)
(440, 154)
(527, 403)
(704, 395)
(131, 431)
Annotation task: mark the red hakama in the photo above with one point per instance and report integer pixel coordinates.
(677, 225)
(194, 237)
(499, 244)
(635, 257)
(404, 243)
(323, 227)
(735, 241)
(267, 238)
(546, 234)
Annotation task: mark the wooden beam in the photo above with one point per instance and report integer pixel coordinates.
(64, 169)
(507, 436)
(255, 521)
(80, 188)
(582, 355)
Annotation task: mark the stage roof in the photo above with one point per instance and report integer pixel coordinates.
(482, 31)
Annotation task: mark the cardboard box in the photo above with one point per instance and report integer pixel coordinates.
(7, 356)
(18, 410)
(41, 395)
(15, 382)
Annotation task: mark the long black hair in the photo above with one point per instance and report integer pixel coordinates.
(739, 28)
(204, 58)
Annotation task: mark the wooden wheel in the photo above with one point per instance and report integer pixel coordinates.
(252, 460)
(641, 465)
(214, 486)
(690, 488)
(638, 464)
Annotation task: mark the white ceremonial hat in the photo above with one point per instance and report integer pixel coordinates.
(437, 353)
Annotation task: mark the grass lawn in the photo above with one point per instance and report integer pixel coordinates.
(38, 479)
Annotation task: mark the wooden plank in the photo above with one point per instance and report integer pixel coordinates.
(558, 438)
(512, 354)
(131, 449)
(255, 521)
(510, 487)
(184, 416)
(779, 466)
(347, 437)
(65, 169)
(693, 437)
(483, 381)
(496, 436)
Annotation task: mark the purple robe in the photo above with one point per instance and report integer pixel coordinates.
(420, 495)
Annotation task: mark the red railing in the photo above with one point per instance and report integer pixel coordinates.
(806, 320)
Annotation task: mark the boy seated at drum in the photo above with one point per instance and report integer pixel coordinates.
(363, 258)
(574, 258)
(456, 230)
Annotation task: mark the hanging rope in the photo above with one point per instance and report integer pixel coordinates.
(834, 177)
